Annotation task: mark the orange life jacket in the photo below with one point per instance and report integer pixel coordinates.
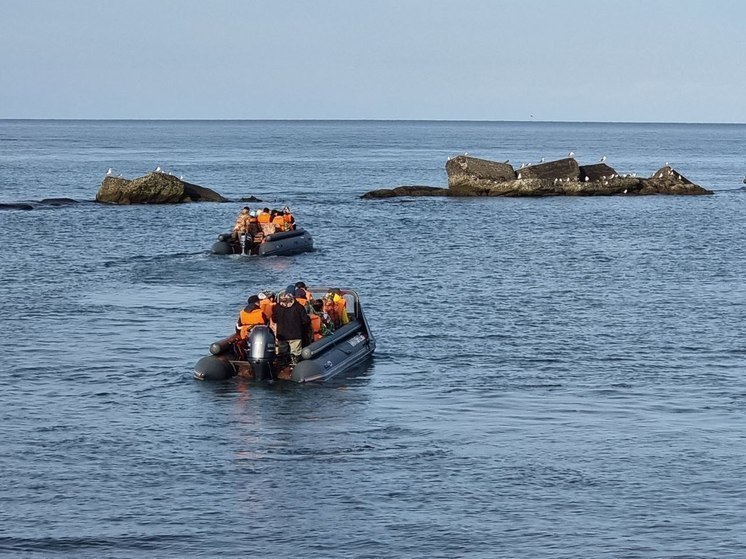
(279, 222)
(316, 327)
(263, 217)
(249, 319)
(341, 307)
(266, 307)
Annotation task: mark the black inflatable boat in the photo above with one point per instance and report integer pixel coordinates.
(265, 358)
(276, 244)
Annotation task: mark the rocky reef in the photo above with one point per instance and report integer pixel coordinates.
(471, 176)
(153, 188)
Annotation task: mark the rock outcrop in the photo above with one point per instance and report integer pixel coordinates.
(470, 176)
(153, 188)
(406, 191)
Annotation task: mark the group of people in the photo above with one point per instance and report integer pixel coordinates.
(258, 224)
(294, 316)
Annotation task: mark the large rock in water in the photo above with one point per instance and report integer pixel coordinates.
(153, 188)
(467, 176)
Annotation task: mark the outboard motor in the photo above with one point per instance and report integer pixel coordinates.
(261, 352)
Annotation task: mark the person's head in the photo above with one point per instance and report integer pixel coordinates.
(287, 299)
(300, 284)
(318, 305)
(252, 213)
(245, 210)
(336, 291)
(266, 210)
(286, 210)
(299, 293)
(253, 301)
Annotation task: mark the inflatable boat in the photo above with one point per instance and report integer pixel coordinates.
(265, 358)
(276, 244)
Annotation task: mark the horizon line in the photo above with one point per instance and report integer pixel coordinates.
(445, 120)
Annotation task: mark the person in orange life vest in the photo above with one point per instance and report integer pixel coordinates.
(331, 310)
(251, 315)
(292, 322)
(289, 219)
(278, 221)
(306, 293)
(242, 224)
(301, 296)
(267, 303)
(341, 305)
(263, 216)
(320, 322)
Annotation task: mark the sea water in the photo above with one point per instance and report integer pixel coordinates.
(555, 377)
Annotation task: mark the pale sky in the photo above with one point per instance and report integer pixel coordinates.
(569, 60)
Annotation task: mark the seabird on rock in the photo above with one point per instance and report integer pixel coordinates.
(523, 165)
(542, 160)
(158, 169)
(587, 178)
(602, 159)
(506, 161)
(571, 154)
(519, 176)
(625, 191)
(109, 172)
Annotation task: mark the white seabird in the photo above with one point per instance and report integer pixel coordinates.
(519, 176)
(109, 172)
(602, 159)
(158, 169)
(587, 178)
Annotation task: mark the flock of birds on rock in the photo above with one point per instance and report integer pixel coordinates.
(157, 170)
(571, 155)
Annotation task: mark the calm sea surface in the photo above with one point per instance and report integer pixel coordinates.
(555, 378)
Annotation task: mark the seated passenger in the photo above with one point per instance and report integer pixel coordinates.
(251, 315)
(263, 216)
(301, 295)
(341, 305)
(278, 221)
(302, 285)
(320, 322)
(330, 308)
(289, 219)
(267, 303)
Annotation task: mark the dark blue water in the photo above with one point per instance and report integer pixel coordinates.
(554, 378)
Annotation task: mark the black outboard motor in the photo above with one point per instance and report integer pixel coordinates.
(261, 352)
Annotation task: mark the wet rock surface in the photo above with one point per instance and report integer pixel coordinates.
(153, 188)
(471, 176)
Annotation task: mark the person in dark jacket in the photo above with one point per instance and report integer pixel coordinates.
(292, 322)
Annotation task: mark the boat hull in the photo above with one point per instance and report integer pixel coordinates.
(277, 244)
